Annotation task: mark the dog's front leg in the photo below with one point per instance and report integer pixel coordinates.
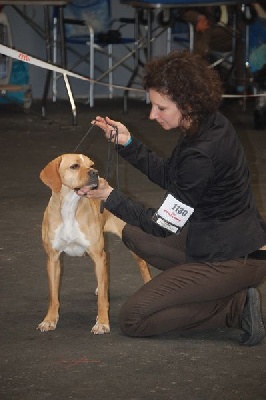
(54, 271)
(101, 270)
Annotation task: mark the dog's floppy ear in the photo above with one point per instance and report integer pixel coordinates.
(50, 175)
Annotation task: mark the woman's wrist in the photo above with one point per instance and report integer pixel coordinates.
(128, 142)
(108, 192)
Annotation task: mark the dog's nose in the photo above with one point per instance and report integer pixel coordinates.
(93, 173)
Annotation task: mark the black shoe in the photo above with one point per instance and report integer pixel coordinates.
(252, 323)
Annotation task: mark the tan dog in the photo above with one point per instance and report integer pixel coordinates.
(74, 225)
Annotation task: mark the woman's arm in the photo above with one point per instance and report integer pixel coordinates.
(133, 213)
(146, 161)
(188, 186)
(123, 207)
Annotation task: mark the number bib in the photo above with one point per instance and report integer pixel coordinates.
(173, 214)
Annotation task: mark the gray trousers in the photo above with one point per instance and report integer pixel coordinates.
(185, 296)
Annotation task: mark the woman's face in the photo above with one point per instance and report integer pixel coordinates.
(164, 110)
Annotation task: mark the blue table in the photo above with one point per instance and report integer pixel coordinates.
(182, 3)
(165, 6)
(149, 6)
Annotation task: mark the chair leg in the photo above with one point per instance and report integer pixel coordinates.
(110, 74)
(91, 94)
(191, 37)
(169, 40)
(54, 47)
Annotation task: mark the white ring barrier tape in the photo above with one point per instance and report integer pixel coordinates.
(70, 95)
(7, 51)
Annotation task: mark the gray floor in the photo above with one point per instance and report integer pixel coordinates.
(71, 363)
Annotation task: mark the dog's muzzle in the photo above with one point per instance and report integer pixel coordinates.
(93, 177)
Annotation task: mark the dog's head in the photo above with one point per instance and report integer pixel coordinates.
(71, 170)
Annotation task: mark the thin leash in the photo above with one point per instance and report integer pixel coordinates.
(84, 137)
(111, 153)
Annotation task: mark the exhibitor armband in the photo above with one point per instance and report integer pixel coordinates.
(173, 214)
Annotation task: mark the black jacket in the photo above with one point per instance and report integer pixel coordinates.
(209, 172)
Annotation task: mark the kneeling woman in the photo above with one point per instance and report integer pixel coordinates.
(207, 237)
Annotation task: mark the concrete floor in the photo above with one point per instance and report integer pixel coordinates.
(72, 363)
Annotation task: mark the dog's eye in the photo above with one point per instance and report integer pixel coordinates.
(74, 166)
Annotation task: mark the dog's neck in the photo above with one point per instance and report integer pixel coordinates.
(69, 202)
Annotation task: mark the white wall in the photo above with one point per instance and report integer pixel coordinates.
(26, 40)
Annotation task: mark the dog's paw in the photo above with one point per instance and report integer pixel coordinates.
(47, 325)
(100, 329)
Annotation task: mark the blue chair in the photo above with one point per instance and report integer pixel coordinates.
(89, 22)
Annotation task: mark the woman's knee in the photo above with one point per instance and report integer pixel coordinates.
(128, 237)
(161, 253)
(136, 240)
(128, 324)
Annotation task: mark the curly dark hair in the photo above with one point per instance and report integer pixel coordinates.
(187, 80)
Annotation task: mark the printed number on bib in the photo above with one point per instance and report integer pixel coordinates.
(173, 214)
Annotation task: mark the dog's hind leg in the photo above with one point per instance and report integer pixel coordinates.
(143, 268)
(116, 225)
(54, 271)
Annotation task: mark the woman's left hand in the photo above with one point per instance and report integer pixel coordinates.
(109, 127)
(101, 192)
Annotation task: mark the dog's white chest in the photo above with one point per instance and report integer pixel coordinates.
(68, 236)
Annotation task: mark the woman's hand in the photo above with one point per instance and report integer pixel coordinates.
(101, 193)
(108, 126)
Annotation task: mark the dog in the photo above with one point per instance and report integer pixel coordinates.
(75, 225)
